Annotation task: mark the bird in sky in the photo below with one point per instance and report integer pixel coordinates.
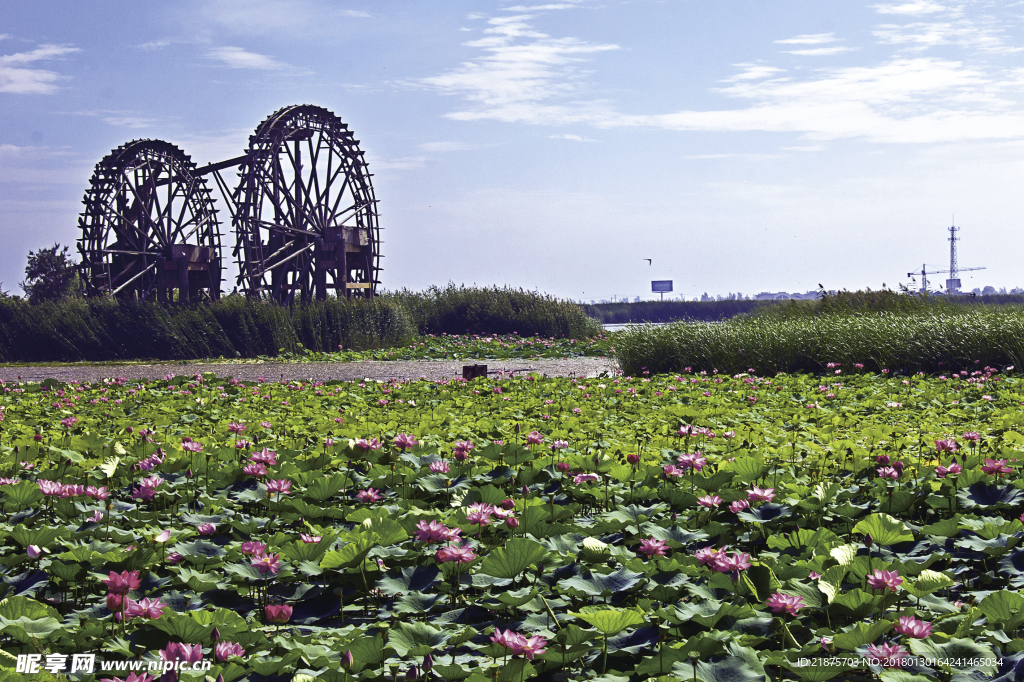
(648, 261)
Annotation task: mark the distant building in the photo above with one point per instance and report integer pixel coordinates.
(784, 296)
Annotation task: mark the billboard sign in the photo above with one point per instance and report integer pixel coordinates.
(661, 286)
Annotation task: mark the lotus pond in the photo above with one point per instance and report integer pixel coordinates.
(671, 527)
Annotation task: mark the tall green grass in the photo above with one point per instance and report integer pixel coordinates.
(104, 329)
(670, 311)
(493, 310)
(936, 340)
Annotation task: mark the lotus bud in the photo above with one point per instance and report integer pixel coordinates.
(508, 504)
(428, 663)
(868, 541)
(347, 660)
(512, 522)
(883, 460)
(898, 466)
(33, 551)
(633, 459)
(412, 673)
(215, 635)
(220, 678)
(38, 437)
(563, 466)
(526, 490)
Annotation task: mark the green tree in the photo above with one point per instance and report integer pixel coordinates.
(50, 275)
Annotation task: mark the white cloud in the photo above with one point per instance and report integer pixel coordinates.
(446, 146)
(733, 155)
(821, 51)
(404, 163)
(913, 7)
(156, 44)
(539, 8)
(520, 75)
(254, 17)
(962, 32)
(809, 39)
(239, 58)
(15, 78)
(755, 72)
(129, 121)
(570, 136)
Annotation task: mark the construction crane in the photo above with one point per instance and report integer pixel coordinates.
(924, 276)
(953, 283)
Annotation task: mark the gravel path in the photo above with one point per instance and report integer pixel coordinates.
(318, 371)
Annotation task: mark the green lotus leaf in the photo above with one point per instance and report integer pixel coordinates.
(959, 655)
(407, 636)
(597, 584)
(511, 560)
(861, 634)
(1003, 608)
(927, 582)
(612, 621)
(884, 530)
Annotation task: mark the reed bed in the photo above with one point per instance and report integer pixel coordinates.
(937, 339)
(104, 330)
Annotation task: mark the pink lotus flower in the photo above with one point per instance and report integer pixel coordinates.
(253, 548)
(953, 468)
(996, 467)
(562, 466)
(430, 531)
(123, 583)
(281, 486)
(146, 608)
(910, 626)
(372, 444)
(529, 647)
(439, 467)
(174, 558)
(738, 506)
(709, 501)
(761, 495)
(267, 563)
(50, 487)
(888, 472)
(225, 650)
(693, 460)
(652, 548)
(310, 539)
(175, 651)
(97, 493)
(972, 436)
(404, 441)
(33, 551)
(884, 579)
(707, 555)
(559, 445)
(672, 471)
(462, 448)
(163, 536)
(887, 655)
(732, 564)
(947, 445)
(585, 478)
(236, 428)
(264, 456)
(534, 438)
(278, 613)
(785, 603)
(460, 555)
(191, 446)
(206, 529)
(369, 495)
(255, 469)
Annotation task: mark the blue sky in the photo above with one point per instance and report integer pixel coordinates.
(741, 146)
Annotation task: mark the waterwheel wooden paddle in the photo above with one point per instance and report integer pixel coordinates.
(149, 227)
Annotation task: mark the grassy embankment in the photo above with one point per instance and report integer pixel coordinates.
(881, 330)
(105, 330)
